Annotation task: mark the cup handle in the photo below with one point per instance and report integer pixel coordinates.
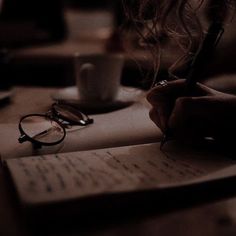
(85, 73)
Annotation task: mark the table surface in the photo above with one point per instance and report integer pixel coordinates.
(212, 219)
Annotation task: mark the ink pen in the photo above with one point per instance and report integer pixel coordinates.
(199, 63)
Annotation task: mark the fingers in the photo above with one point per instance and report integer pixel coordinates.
(197, 117)
(155, 117)
(203, 90)
(210, 114)
(183, 120)
(173, 88)
(162, 99)
(159, 117)
(165, 98)
(177, 88)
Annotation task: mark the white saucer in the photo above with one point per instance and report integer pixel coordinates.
(126, 96)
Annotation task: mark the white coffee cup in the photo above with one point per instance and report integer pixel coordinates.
(98, 77)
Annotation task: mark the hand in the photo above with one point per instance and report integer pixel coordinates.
(208, 113)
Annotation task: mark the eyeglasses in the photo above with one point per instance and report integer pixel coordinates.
(50, 128)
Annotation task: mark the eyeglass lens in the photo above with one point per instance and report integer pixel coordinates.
(42, 129)
(71, 114)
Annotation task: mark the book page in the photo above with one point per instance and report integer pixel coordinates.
(66, 176)
(128, 126)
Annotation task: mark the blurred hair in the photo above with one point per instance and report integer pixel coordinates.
(159, 20)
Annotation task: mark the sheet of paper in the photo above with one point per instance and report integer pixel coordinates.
(128, 126)
(64, 176)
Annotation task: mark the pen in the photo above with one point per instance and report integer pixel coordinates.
(197, 65)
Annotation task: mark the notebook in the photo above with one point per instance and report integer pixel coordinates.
(73, 176)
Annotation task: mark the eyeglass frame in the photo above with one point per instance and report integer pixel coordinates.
(55, 116)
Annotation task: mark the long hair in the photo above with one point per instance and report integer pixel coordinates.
(161, 21)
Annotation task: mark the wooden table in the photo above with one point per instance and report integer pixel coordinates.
(212, 219)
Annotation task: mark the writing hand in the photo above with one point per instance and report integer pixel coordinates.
(206, 113)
